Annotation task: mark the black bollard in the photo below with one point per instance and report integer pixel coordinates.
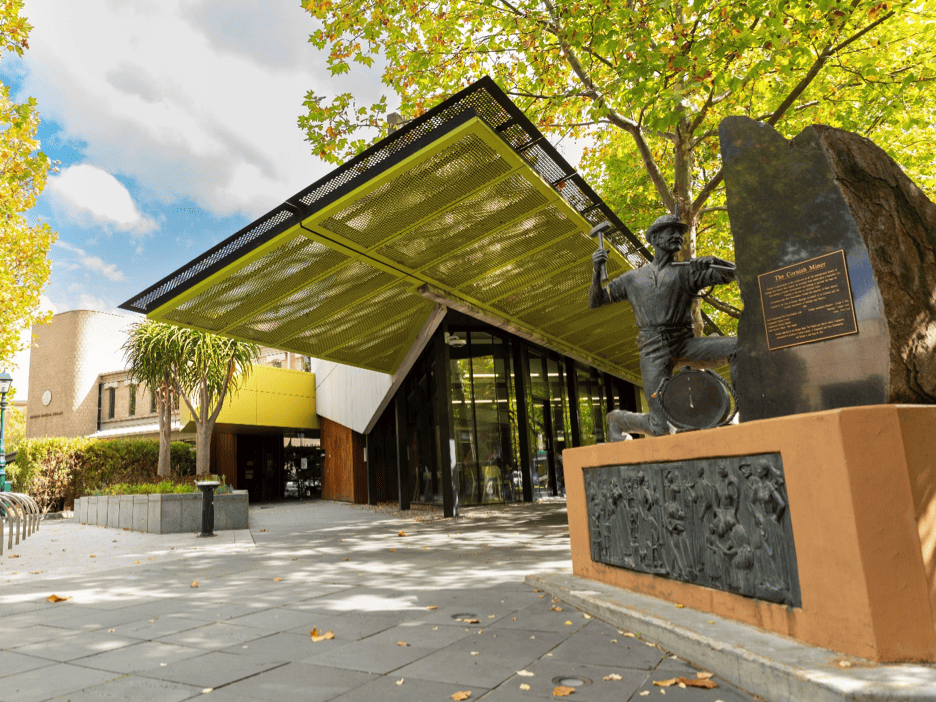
(207, 514)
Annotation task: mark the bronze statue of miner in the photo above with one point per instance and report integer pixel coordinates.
(661, 294)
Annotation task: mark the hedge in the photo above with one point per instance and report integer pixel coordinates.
(54, 471)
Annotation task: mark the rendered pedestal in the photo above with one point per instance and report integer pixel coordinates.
(861, 484)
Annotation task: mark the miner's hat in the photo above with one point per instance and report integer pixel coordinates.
(667, 220)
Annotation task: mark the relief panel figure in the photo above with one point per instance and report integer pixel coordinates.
(722, 523)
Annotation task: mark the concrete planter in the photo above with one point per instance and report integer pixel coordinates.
(162, 514)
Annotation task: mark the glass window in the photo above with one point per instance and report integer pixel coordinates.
(132, 408)
(111, 402)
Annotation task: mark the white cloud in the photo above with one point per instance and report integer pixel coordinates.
(89, 193)
(93, 263)
(89, 302)
(190, 99)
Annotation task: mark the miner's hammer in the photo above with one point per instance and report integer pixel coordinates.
(599, 231)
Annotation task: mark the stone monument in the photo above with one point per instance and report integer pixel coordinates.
(814, 517)
(836, 255)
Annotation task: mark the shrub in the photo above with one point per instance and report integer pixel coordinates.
(56, 470)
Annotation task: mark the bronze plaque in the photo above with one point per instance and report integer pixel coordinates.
(807, 302)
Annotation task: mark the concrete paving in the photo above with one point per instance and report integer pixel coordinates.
(418, 611)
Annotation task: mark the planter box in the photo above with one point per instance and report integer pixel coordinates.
(163, 514)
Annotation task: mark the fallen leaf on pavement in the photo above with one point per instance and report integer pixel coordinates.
(276, 580)
(556, 609)
(393, 550)
(688, 682)
(56, 598)
(402, 533)
(431, 607)
(587, 616)
(471, 621)
(568, 622)
(525, 673)
(136, 563)
(612, 676)
(347, 559)
(399, 682)
(644, 693)
(316, 637)
(563, 691)
(92, 556)
(541, 597)
(15, 555)
(474, 653)
(704, 676)
(195, 584)
(680, 606)
(630, 635)
(402, 643)
(524, 686)
(462, 695)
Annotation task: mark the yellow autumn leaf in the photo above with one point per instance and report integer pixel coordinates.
(402, 533)
(462, 695)
(431, 607)
(525, 673)
(568, 622)
(402, 643)
(563, 691)
(471, 621)
(276, 580)
(316, 637)
(524, 686)
(399, 682)
(704, 676)
(56, 598)
(612, 676)
(195, 583)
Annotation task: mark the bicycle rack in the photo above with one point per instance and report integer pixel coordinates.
(20, 514)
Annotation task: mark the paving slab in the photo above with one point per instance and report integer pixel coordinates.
(461, 668)
(79, 645)
(588, 683)
(140, 656)
(133, 688)
(48, 682)
(301, 682)
(281, 647)
(386, 689)
(12, 663)
(212, 670)
(213, 636)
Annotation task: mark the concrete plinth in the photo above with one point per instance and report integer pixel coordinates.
(861, 484)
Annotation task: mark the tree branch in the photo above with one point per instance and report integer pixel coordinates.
(817, 66)
(707, 190)
(632, 128)
(723, 306)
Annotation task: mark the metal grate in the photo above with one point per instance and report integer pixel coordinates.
(505, 245)
(207, 263)
(530, 269)
(474, 217)
(432, 186)
(257, 285)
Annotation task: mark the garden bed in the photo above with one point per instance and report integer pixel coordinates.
(162, 514)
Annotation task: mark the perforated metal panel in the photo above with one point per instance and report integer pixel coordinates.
(468, 198)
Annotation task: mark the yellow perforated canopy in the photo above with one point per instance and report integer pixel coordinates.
(350, 269)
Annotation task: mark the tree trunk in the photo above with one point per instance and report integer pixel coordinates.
(203, 431)
(163, 466)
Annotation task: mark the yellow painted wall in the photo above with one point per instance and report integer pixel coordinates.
(270, 397)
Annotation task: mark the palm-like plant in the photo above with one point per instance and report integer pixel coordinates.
(200, 368)
(148, 362)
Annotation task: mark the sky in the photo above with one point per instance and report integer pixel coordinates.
(174, 125)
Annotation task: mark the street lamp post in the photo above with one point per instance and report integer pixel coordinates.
(6, 381)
